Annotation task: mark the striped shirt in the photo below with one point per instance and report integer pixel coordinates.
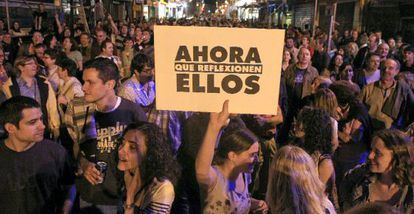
(157, 198)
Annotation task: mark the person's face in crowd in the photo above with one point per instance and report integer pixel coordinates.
(398, 43)
(131, 32)
(298, 130)
(39, 52)
(409, 56)
(372, 40)
(132, 150)
(7, 38)
(53, 42)
(355, 35)
(391, 43)
(350, 72)
(67, 33)
(16, 25)
(341, 51)
(62, 73)
(109, 50)
(48, 60)
(286, 56)
(99, 24)
(146, 75)
(138, 34)
(383, 50)
(304, 56)
(374, 63)
(31, 127)
(41, 7)
(124, 30)
(246, 160)
(146, 36)
(67, 45)
(290, 43)
(84, 40)
(378, 34)
(1, 24)
(346, 33)
(389, 70)
(100, 36)
(339, 60)
(129, 44)
(380, 157)
(37, 38)
(94, 88)
(29, 68)
(305, 41)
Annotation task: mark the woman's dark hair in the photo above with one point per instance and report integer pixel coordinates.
(69, 65)
(234, 140)
(53, 54)
(159, 161)
(344, 91)
(14, 29)
(74, 46)
(403, 155)
(318, 130)
(48, 39)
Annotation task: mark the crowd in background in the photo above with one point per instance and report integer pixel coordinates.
(81, 133)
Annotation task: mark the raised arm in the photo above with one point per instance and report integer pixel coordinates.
(58, 24)
(113, 25)
(204, 171)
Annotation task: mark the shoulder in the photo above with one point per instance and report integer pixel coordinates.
(128, 83)
(52, 147)
(128, 104)
(163, 187)
(359, 172)
(313, 70)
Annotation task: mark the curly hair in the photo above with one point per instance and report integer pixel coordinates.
(403, 155)
(294, 185)
(159, 161)
(318, 130)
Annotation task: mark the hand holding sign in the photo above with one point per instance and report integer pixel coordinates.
(221, 119)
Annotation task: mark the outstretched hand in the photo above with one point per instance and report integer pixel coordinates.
(220, 119)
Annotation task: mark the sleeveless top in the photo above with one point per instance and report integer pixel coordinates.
(222, 198)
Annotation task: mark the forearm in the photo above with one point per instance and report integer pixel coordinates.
(206, 153)
(69, 200)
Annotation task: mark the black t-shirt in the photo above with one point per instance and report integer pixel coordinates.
(299, 79)
(31, 181)
(109, 126)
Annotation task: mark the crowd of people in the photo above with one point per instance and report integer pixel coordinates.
(81, 133)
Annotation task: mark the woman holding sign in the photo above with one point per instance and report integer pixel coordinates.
(224, 185)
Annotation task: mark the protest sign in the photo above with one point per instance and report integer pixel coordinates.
(198, 68)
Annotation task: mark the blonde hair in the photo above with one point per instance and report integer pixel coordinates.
(326, 100)
(294, 185)
(21, 61)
